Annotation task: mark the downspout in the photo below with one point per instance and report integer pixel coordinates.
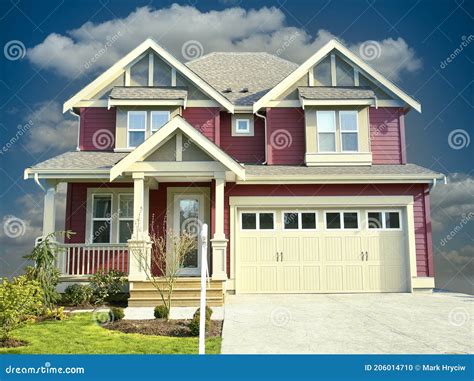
(71, 111)
(265, 129)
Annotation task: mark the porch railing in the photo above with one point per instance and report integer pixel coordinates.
(79, 259)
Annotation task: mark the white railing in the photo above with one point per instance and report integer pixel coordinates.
(80, 259)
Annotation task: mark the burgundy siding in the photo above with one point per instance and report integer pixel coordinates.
(285, 135)
(387, 133)
(204, 119)
(424, 258)
(97, 129)
(245, 149)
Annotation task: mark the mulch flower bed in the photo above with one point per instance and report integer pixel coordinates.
(12, 343)
(161, 327)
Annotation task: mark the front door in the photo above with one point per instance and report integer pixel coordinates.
(188, 217)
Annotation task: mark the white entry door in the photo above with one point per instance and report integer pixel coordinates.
(188, 217)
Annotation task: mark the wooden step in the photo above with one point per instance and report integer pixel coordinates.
(176, 302)
(179, 284)
(176, 293)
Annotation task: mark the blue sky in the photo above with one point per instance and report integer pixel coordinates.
(415, 38)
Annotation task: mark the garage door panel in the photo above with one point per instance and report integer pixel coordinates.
(268, 279)
(248, 279)
(310, 249)
(290, 247)
(333, 249)
(374, 278)
(393, 281)
(392, 249)
(311, 278)
(248, 249)
(334, 278)
(352, 247)
(268, 250)
(290, 278)
(354, 278)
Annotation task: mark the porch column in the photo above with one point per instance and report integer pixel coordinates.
(49, 212)
(219, 241)
(139, 245)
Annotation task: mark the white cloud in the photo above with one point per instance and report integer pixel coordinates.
(451, 202)
(231, 29)
(51, 131)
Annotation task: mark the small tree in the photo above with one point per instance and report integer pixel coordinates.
(44, 270)
(168, 254)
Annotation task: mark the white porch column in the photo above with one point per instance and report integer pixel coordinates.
(219, 241)
(49, 212)
(139, 245)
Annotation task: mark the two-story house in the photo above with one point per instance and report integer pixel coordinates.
(299, 170)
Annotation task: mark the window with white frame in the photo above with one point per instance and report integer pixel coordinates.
(349, 131)
(383, 220)
(342, 220)
(257, 220)
(136, 128)
(125, 220)
(159, 119)
(299, 220)
(101, 218)
(242, 126)
(326, 125)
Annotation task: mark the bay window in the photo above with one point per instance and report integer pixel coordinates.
(326, 124)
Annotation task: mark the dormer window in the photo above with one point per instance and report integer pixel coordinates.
(136, 127)
(326, 122)
(242, 126)
(349, 131)
(159, 119)
(338, 131)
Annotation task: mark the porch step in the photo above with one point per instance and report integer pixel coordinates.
(186, 293)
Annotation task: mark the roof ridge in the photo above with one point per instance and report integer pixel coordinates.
(241, 53)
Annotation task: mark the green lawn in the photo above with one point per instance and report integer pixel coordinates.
(80, 334)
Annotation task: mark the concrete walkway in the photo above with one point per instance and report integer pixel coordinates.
(349, 323)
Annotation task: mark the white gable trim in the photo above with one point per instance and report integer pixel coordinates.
(122, 66)
(164, 133)
(363, 67)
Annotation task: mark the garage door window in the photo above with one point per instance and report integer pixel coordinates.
(299, 220)
(257, 220)
(342, 220)
(385, 220)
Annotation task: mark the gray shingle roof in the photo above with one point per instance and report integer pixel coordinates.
(81, 160)
(326, 92)
(139, 92)
(259, 72)
(414, 170)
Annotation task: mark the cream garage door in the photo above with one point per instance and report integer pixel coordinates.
(320, 251)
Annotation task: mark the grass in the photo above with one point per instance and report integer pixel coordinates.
(80, 334)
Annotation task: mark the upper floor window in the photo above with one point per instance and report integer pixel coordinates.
(159, 119)
(349, 131)
(136, 126)
(242, 126)
(326, 124)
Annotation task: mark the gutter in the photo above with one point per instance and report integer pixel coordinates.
(265, 129)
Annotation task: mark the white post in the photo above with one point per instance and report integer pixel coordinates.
(202, 315)
(49, 212)
(219, 241)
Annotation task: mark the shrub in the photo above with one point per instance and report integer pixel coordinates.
(194, 323)
(20, 299)
(77, 294)
(161, 312)
(55, 314)
(116, 314)
(106, 284)
(45, 271)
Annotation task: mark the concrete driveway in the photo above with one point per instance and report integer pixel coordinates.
(349, 323)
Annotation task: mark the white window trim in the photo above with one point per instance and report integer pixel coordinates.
(384, 228)
(257, 222)
(341, 216)
(326, 132)
(240, 132)
(300, 220)
(120, 219)
(134, 129)
(168, 114)
(356, 131)
(93, 219)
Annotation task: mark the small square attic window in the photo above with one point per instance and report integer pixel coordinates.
(242, 126)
